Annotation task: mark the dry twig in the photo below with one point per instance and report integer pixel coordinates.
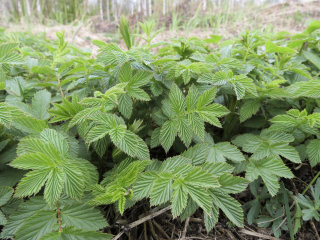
(186, 224)
(140, 221)
(256, 234)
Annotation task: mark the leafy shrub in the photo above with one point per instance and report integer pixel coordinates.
(187, 126)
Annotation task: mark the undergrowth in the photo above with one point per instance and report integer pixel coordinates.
(184, 125)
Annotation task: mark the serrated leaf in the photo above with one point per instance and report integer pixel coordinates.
(201, 178)
(54, 186)
(200, 196)
(179, 198)
(5, 194)
(248, 109)
(161, 190)
(313, 151)
(32, 183)
(142, 187)
(177, 100)
(40, 104)
(221, 151)
(41, 223)
(270, 169)
(232, 184)
(24, 211)
(230, 207)
(168, 134)
(211, 219)
(76, 234)
(82, 217)
(312, 57)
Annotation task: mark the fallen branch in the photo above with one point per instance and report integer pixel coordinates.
(140, 221)
(256, 234)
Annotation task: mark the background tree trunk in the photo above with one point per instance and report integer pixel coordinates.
(164, 7)
(150, 8)
(101, 9)
(108, 10)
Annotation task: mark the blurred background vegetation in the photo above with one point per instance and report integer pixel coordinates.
(85, 20)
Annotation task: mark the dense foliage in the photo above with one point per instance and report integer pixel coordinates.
(187, 124)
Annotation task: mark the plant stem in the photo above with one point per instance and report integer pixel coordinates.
(310, 184)
(59, 218)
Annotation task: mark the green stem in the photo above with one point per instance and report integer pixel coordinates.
(310, 184)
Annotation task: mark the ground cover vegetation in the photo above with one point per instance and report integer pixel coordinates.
(224, 130)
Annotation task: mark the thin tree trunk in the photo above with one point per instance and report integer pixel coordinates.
(204, 6)
(139, 5)
(115, 10)
(20, 12)
(164, 7)
(150, 8)
(38, 7)
(108, 10)
(101, 9)
(144, 6)
(28, 8)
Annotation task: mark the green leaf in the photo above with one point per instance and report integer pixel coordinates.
(196, 124)
(51, 162)
(239, 89)
(161, 190)
(177, 100)
(125, 72)
(201, 178)
(212, 218)
(74, 184)
(168, 133)
(54, 186)
(125, 105)
(248, 109)
(5, 194)
(82, 216)
(142, 187)
(40, 104)
(270, 169)
(97, 132)
(232, 184)
(200, 196)
(3, 219)
(32, 183)
(184, 131)
(273, 48)
(313, 151)
(287, 152)
(312, 57)
(65, 110)
(138, 94)
(221, 151)
(179, 198)
(230, 207)
(25, 210)
(217, 169)
(206, 97)
(76, 234)
(41, 223)
(132, 145)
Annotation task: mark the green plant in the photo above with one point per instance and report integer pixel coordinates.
(125, 32)
(85, 141)
(148, 28)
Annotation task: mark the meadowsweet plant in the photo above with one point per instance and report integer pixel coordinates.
(187, 126)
